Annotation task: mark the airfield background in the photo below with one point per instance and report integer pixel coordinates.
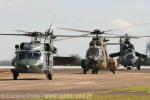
(147, 62)
(78, 63)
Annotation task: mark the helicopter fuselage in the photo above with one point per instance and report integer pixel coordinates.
(96, 62)
(33, 61)
(129, 59)
(97, 58)
(127, 55)
(37, 57)
(33, 57)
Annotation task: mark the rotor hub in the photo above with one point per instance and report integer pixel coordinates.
(97, 32)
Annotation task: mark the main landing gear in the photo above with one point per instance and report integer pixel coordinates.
(15, 74)
(138, 67)
(113, 70)
(49, 75)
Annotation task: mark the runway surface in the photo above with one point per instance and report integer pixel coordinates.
(70, 80)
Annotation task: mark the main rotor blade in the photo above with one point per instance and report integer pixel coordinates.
(30, 35)
(126, 27)
(73, 37)
(75, 30)
(128, 36)
(22, 31)
(67, 38)
(15, 34)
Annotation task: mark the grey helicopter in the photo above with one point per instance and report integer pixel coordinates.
(128, 57)
(36, 56)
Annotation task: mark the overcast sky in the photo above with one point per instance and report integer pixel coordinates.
(31, 15)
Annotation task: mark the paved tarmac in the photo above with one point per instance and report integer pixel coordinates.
(69, 81)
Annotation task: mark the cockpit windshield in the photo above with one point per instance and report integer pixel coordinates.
(22, 55)
(36, 55)
(130, 56)
(94, 52)
(29, 55)
(129, 50)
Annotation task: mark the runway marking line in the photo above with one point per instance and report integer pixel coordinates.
(5, 72)
(83, 83)
(145, 77)
(56, 84)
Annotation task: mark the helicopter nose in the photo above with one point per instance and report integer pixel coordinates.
(92, 60)
(130, 61)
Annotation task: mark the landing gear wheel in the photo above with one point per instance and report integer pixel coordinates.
(15, 74)
(112, 70)
(49, 75)
(128, 68)
(84, 71)
(93, 72)
(138, 68)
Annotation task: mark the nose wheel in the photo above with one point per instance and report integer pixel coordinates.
(84, 71)
(129, 68)
(94, 71)
(138, 67)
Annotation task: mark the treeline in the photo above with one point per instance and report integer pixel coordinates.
(5, 63)
(78, 63)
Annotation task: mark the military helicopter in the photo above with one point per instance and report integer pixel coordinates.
(127, 55)
(97, 57)
(37, 56)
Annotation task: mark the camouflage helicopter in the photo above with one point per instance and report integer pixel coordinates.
(96, 55)
(127, 55)
(37, 56)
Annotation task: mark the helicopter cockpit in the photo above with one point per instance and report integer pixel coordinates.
(94, 52)
(29, 55)
(129, 50)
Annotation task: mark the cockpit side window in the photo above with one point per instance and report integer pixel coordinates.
(100, 53)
